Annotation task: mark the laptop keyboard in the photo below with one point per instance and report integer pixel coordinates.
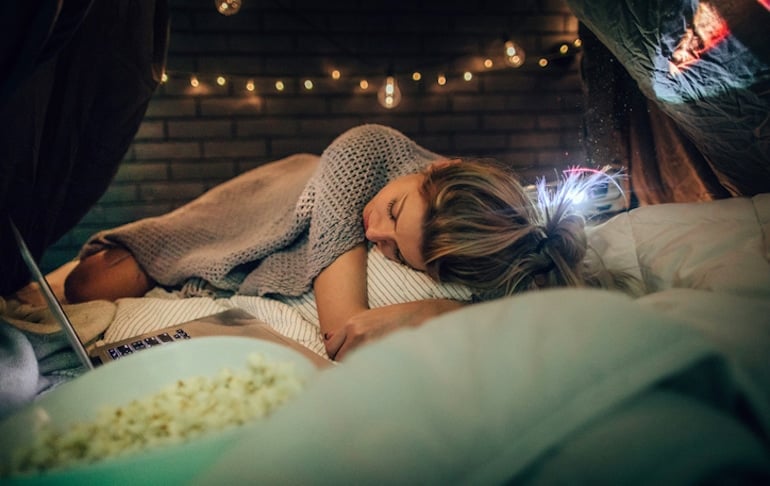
(125, 349)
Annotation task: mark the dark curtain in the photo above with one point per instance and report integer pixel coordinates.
(76, 80)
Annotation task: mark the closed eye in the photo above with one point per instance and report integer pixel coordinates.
(390, 210)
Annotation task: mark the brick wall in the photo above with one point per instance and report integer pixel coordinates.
(193, 138)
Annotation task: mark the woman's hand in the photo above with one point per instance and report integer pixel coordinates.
(372, 324)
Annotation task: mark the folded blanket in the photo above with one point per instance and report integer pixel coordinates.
(35, 355)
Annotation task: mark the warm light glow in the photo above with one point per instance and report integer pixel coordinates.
(563, 49)
(364, 84)
(441, 80)
(389, 95)
(227, 7)
(467, 75)
(577, 42)
(308, 84)
(488, 63)
(279, 85)
(708, 29)
(163, 78)
(416, 76)
(336, 74)
(221, 80)
(543, 62)
(250, 85)
(194, 81)
(514, 54)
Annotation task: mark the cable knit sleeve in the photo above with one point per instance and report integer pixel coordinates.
(352, 170)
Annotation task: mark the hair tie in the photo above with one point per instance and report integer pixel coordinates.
(541, 244)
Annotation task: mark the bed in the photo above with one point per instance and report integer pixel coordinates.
(532, 388)
(570, 386)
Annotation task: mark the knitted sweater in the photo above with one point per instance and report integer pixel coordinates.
(273, 229)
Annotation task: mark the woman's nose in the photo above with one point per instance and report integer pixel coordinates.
(378, 232)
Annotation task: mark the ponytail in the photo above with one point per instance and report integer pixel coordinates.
(484, 230)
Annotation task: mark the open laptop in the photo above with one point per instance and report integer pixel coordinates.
(232, 322)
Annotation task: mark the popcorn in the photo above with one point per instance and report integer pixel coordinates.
(182, 411)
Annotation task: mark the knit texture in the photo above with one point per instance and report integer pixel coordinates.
(273, 229)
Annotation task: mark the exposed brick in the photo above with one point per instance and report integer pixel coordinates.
(200, 128)
(150, 130)
(167, 150)
(203, 171)
(141, 171)
(232, 106)
(170, 108)
(268, 126)
(234, 148)
(453, 123)
(170, 191)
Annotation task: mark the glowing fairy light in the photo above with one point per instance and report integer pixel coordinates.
(363, 84)
(250, 85)
(227, 7)
(416, 76)
(514, 54)
(194, 81)
(221, 80)
(308, 84)
(441, 79)
(389, 95)
(488, 63)
(563, 49)
(164, 78)
(577, 43)
(279, 86)
(542, 62)
(467, 75)
(336, 74)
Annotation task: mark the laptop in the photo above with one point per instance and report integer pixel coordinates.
(232, 322)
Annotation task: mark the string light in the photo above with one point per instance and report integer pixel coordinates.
(514, 54)
(389, 95)
(227, 7)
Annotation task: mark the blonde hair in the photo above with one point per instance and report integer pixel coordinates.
(484, 230)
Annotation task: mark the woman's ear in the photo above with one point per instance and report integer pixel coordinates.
(441, 163)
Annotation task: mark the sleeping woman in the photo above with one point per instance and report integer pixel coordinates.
(304, 223)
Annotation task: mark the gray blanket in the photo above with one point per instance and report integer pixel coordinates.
(273, 229)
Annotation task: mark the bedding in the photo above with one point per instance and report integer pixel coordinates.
(531, 388)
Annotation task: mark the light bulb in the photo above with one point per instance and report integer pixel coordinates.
(514, 54)
(227, 7)
(389, 94)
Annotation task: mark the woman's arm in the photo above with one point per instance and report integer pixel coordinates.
(372, 324)
(340, 292)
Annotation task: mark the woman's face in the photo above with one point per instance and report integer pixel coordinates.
(393, 220)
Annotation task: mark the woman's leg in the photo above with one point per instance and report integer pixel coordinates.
(109, 274)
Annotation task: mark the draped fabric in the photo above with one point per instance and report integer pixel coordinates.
(678, 93)
(76, 80)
